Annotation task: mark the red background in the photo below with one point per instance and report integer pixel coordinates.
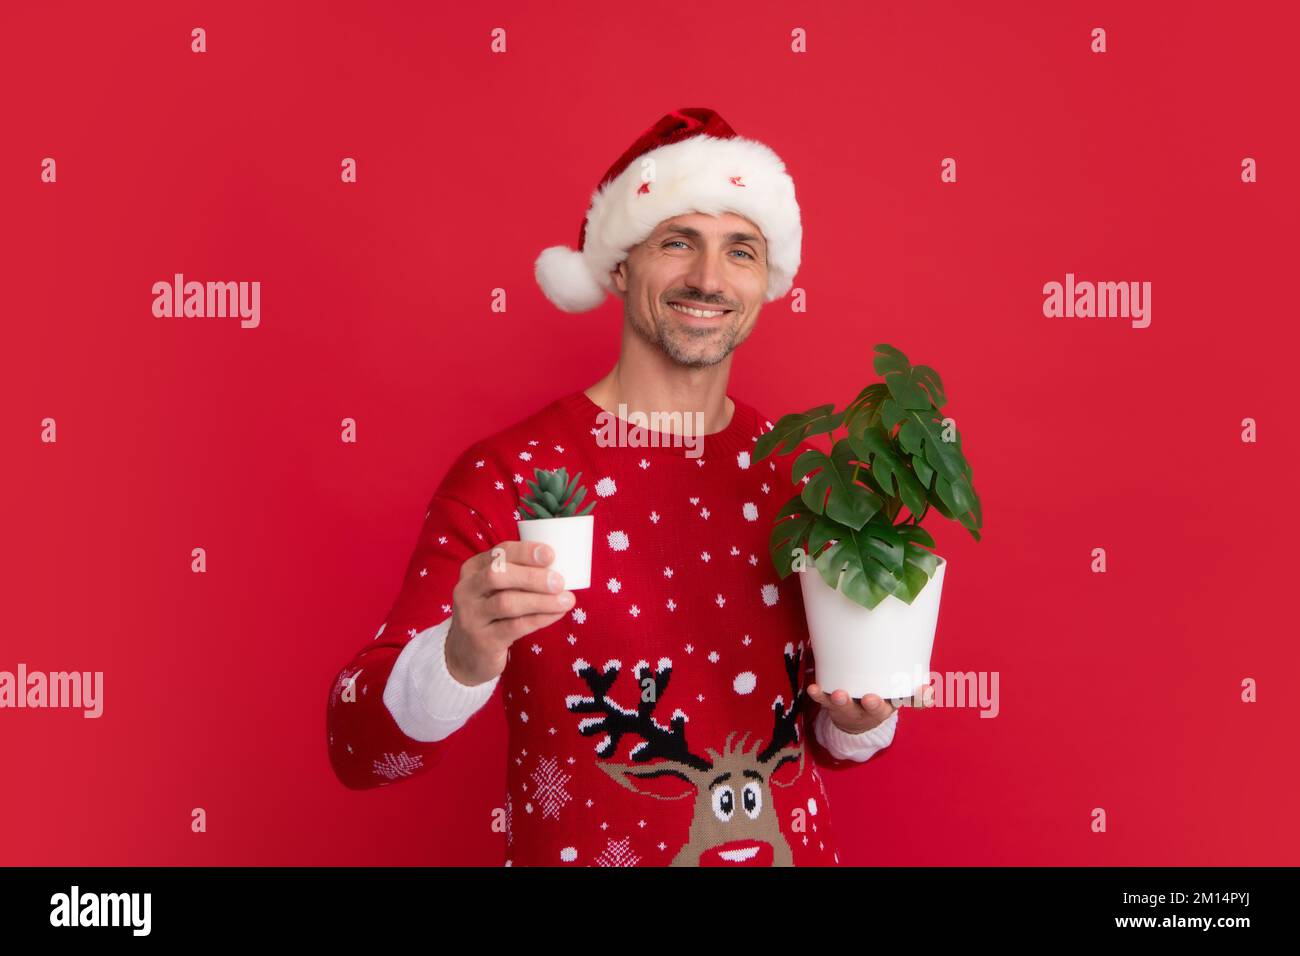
(1119, 691)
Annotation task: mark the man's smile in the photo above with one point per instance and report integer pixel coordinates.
(696, 311)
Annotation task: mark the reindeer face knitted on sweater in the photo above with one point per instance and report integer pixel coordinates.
(734, 818)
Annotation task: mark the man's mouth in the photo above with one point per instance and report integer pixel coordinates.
(698, 312)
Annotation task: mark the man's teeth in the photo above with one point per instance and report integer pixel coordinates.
(698, 313)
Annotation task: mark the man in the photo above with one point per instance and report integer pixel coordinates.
(660, 716)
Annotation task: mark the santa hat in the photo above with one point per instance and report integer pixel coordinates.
(689, 161)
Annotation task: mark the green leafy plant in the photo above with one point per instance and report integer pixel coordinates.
(899, 452)
(553, 496)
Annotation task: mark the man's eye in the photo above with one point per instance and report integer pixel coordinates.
(682, 242)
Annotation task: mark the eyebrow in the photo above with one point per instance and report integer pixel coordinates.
(730, 237)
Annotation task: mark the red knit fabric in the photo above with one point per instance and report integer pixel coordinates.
(685, 608)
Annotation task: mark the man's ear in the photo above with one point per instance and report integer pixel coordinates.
(619, 275)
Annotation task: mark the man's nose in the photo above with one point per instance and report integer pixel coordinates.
(705, 276)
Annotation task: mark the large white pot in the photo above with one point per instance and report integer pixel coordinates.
(570, 539)
(884, 650)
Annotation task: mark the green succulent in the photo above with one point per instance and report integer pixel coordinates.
(552, 495)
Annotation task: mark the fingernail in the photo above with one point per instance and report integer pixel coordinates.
(566, 598)
(537, 553)
(554, 581)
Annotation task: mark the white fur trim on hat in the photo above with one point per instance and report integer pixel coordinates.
(703, 174)
(567, 281)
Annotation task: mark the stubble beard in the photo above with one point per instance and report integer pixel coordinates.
(677, 341)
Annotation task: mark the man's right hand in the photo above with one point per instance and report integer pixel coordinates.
(503, 594)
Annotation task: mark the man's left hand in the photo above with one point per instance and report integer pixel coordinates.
(856, 716)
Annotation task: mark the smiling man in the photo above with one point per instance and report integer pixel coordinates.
(663, 716)
(712, 323)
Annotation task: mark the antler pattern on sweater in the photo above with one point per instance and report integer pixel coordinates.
(657, 741)
(785, 729)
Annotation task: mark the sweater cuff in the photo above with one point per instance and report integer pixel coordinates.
(856, 747)
(427, 703)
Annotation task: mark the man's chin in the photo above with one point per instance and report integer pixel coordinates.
(691, 358)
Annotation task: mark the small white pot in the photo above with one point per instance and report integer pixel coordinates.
(883, 650)
(570, 539)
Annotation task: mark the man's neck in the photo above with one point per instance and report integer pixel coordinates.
(675, 390)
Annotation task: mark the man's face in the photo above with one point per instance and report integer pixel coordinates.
(712, 264)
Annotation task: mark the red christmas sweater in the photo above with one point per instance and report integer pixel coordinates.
(662, 721)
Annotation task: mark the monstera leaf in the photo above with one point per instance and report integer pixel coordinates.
(923, 435)
(864, 411)
(880, 559)
(789, 532)
(888, 467)
(832, 489)
(791, 430)
(912, 386)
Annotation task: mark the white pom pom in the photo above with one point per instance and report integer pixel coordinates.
(567, 282)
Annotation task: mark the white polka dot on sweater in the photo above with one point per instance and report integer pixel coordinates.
(742, 459)
(606, 487)
(750, 511)
(569, 853)
(618, 540)
(744, 682)
(770, 594)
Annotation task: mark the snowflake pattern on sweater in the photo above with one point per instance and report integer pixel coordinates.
(663, 720)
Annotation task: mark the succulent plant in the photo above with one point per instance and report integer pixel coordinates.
(552, 495)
